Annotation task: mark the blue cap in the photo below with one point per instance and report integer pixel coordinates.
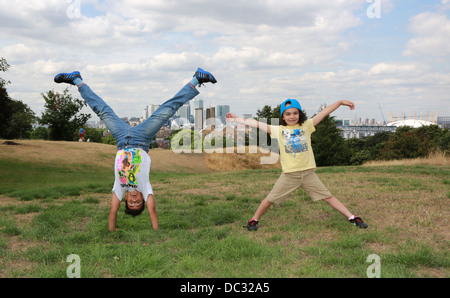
(293, 104)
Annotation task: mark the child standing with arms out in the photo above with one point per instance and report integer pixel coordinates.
(297, 158)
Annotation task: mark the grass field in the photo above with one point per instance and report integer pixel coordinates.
(54, 202)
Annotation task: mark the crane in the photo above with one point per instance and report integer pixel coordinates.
(384, 121)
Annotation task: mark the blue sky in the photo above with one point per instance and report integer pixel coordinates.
(135, 52)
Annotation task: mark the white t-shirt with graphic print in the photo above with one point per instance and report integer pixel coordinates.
(132, 170)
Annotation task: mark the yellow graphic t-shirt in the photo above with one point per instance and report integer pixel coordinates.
(296, 153)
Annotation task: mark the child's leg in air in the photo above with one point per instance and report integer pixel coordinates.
(145, 131)
(148, 129)
(119, 129)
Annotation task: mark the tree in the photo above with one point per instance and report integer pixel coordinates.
(330, 148)
(5, 100)
(16, 117)
(5, 111)
(408, 142)
(62, 114)
(367, 148)
(109, 139)
(20, 121)
(268, 113)
(3, 67)
(40, 133)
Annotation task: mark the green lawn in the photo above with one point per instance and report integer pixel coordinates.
(50, 212)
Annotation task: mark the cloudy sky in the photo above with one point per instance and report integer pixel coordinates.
(392, 54)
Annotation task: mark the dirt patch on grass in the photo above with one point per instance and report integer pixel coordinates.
(438, 158)
(251, 158)
(95, 154)
(168, 161)
(103, 155)
(51, 152)
(5, 201)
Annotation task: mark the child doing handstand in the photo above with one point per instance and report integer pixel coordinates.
(132, 164)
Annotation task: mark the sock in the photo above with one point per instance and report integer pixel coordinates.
(351, 217)
(194, 82)
(78, 82)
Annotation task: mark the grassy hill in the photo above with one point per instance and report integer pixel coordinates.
(54, 202)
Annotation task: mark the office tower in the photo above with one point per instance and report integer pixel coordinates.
(222, 111)
(198, 118)
(210, 116)
(184, 112)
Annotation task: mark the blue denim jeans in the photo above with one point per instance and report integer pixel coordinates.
(141, 135)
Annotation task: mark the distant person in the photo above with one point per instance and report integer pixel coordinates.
(297, 159)
(132, 163)
(82, 132)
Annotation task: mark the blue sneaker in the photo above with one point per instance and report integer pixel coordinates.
(67, 77)
(204, 77)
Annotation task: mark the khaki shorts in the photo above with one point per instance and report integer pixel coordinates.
(307, 180)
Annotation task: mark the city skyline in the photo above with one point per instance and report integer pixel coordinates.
(195, 103)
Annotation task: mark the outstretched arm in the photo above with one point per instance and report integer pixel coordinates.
(115, 203)
(249, 122)
(331, 108)
(152, 211)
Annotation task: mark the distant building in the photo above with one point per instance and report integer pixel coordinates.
(411, 123)
(196, 104)
(149, 110)
(443, 122)
(210, 117)
(134, 121)
(145, 113)
(343, 122)
(222, 111)
(198, 119)
(184, 112)
(360, 131)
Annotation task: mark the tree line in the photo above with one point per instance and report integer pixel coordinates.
(331, 149)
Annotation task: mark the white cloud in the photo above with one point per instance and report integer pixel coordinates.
(432, 36)
(134, 53)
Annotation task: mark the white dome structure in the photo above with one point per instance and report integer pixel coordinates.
(411, 123)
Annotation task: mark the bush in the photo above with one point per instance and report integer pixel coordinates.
(109, 139)
(409, 143)
(40, 133)
(93, 134)
(330, 148)
(405, 143)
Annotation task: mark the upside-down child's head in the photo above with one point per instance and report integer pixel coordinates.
(134, 203)
(292, 113)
